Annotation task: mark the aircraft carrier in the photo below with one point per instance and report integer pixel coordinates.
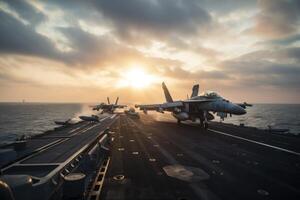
(129, 158)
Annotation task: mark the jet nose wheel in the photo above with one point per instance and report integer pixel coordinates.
(205, 125)
(201, 124)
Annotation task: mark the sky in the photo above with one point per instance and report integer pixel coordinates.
(84, 51)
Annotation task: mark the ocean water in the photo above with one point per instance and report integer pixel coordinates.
(18, 119)
(286, 116)
(29, 119)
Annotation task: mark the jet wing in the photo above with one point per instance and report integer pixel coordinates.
(169, 106)
(244, 105)
(92, 106)
(148, 106)
(95, 107)
(120, 106)
(198, 101)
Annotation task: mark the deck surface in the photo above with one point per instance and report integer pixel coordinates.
(163, 160)
(160, 159)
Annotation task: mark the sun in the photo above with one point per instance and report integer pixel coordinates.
(136, 78)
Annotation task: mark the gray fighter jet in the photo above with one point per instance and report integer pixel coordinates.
(92, 118)
(196, 107)
(63, 123)
(108, 108)
(132, 113)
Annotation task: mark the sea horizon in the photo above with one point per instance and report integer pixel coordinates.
(32, 118)
(57, 102)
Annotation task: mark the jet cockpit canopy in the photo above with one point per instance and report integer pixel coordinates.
(211, 95)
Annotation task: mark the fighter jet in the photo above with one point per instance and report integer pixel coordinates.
(108, 108)
(92, 118)
(132, 113)
(245, 105)
(196, 107)
(63, 123)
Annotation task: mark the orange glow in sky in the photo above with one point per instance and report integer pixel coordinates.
(136, 78)
(52, 51)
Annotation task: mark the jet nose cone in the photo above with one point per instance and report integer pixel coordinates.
(243, 111)
(238, 110)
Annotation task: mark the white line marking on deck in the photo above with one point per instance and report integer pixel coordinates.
(255, 142)
(113, 116)
(103, 119)
(73, 130)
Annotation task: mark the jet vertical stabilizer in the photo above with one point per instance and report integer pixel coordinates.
(195, 91)
(167, 93)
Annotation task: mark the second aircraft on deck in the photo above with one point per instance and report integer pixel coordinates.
(109, 107)
(196, 107)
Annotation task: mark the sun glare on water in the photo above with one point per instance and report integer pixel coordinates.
(136, 78)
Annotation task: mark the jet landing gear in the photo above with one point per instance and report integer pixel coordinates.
(178, 121)
(205, 123)
(201, 123)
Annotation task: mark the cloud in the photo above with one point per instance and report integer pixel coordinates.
(26, 11)
(179, 44)
(181, 41)
(185, 75)
(17, 38)
(87, 50)
(277, 18)
(293, 53)
(159, 18)
(225, 7)
(286, 41)
(277, 68)
(85, 47)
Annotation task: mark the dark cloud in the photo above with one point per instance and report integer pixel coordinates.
(138, 21)
(26, 11)
(258, 68)
(277, 18)
(87, 49)
(155, 17)
(176, 43)
(276, 55)
(185, 75)
(75, 10)
(224, 7)
(17, 38)
(293, 53)
(102, 51)
(134, 20)
(266, 68)
(286, 41)
(175, 22)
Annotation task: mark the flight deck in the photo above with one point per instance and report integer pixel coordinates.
(152, 158)
(163, 160)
